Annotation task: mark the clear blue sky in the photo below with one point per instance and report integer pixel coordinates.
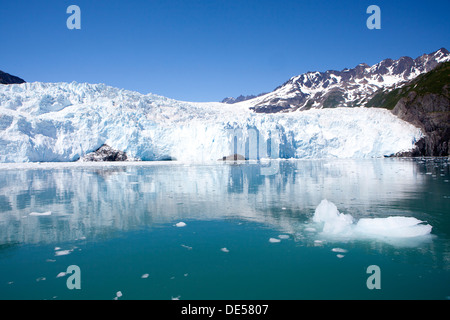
(205, 50)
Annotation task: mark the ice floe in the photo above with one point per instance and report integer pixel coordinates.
(339, 224)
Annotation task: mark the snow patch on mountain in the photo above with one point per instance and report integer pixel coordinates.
(48, 122)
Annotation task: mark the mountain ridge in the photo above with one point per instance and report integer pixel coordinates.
(346, 88)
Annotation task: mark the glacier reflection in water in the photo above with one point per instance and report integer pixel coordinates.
(61, 202)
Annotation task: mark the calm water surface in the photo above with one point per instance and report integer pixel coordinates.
(119, 223)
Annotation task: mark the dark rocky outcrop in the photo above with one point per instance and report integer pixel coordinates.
(431, 113)
(233, 157)
(425, 103)
(6, 78)
(105, 153)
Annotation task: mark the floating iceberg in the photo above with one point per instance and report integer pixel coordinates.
(333, 221)
(339, 224)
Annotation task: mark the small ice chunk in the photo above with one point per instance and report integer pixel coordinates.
(283, 236)
(274, 240)
(145, 276)
(61, 274)
(176, 298)
(118, 294)
(62, 252)
(224, 250)
(47, 213)
(180, 224)
(340, 250)
(318, 242)
(340, 256)
(40, 279)
(187, 247)
(310, 229)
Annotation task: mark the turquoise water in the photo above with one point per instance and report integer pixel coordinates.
(118, 224)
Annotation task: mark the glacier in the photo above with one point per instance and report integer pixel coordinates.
(61, 122)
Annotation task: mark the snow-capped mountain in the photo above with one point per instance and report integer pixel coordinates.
(48, 122)
(231, 100)
(346, 88)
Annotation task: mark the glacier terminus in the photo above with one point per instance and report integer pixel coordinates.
(56, 122)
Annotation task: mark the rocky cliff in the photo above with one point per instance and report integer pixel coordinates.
(425, 102)
(431, 113)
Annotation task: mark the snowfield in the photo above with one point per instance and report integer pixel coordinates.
(48, 122)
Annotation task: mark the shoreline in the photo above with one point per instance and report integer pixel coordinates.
(134, 163)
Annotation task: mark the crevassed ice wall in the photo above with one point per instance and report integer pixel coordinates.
(64, 121)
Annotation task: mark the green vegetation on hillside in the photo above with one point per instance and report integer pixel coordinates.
(333, 100)
(430, 82)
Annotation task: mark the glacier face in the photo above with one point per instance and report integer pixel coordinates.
(47, 122)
